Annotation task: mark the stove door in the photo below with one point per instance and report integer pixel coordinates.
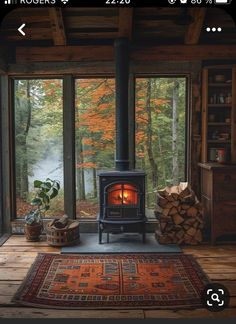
(122, 201)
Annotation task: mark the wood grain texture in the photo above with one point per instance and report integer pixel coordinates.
(125, 22)
(25, 312)
(194, 30)
(140, 53)
(57, 26)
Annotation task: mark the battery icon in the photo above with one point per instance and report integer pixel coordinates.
(222, 2)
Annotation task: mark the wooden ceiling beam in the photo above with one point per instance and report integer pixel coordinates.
(64, 53)
(106, 53)
(184, 53)
(57, 26)
(125, 23)
(193, 32)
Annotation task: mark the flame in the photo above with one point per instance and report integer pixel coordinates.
(123, 195)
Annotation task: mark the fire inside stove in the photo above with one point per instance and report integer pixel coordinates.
(122, 194)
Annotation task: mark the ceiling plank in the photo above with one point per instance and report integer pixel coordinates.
(193, 32)
(57, 26)
(106, 53)
(125, 23)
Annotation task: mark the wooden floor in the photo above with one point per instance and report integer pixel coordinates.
(16, 256)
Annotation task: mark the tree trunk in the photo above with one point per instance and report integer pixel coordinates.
(149, 143)
(175, 164)
(25, 182)
(163, 168)
(24, 109)
(77, 175)
(24, 185)
(80, 170)
(95, 191)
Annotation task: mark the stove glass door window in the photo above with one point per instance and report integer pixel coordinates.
(122, 194)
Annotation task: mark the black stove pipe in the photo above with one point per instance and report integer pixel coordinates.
(122, 115)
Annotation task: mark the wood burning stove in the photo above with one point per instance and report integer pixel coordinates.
(122, 192)
(122, 202)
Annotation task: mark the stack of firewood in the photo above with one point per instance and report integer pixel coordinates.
(180, 215)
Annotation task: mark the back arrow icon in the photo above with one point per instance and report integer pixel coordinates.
(20, 29)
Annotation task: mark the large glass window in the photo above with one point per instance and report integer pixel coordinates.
(38, 114)
(95, 139)
(160, 132)
(38, 140)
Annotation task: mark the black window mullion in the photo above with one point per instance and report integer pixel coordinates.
(69, 146)
(6, 195)
(132, 120)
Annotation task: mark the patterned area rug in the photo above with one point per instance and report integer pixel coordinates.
(113, 281)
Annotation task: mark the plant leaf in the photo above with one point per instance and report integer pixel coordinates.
(37, 183)
(36, 202)
(57, 184)
(42, 194)
(54, 193)
(46, 199)
(46, 186)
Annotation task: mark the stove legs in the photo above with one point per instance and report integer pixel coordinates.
(102, 227)
(99, 233)
(144, 232)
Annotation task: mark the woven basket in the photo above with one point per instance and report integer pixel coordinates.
(63, 236)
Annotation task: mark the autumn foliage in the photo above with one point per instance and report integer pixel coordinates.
(95, 121)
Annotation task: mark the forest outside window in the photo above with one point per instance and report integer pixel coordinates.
(161, 132)
(94, 139)
(38, 125)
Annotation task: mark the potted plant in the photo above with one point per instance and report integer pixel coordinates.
(45, 191)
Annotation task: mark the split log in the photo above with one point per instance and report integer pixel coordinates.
(178, 219)
(180, 215)
(60, 223)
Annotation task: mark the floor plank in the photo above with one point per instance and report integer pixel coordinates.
(211, 251)
(21, 240)
(8, 288)
(194, 313)
(21, 249)
(13, 273)
(230, 285)
(23, 312)
(222, 276)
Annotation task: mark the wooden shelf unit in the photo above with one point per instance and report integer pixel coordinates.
(218, 180)
(218, 197)
(218, 111)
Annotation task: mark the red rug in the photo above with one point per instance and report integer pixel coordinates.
(113, 281)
